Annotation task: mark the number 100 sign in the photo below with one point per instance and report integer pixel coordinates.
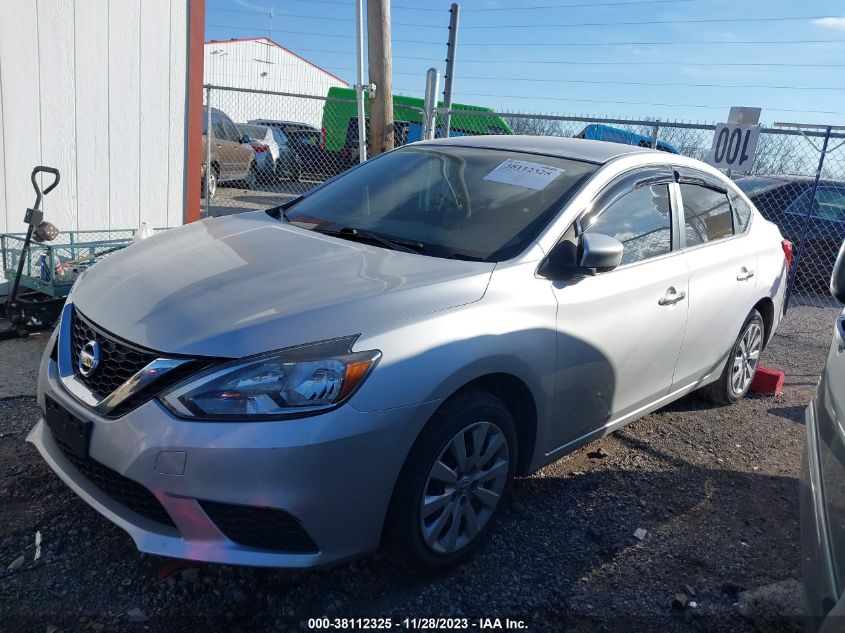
(734, 146)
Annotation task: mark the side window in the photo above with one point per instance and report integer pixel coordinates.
(707, 214)
(217, 126)
(641, 220)
(742, 213)
(232, 133)
(281, 141)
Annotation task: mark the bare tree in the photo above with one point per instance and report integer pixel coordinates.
(535, 127)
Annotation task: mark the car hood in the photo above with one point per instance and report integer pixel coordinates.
(248, 283)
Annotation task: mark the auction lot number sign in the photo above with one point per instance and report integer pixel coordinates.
(734, 146)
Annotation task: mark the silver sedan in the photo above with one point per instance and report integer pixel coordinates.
(375, 362)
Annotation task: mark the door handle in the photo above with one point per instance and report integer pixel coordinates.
(744, 274)
(672, 297)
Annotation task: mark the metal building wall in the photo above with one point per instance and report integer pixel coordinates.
(96, 88)
(261, 64)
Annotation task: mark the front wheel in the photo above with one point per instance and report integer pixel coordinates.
(454, 483)
(742, 363)
(212, 184)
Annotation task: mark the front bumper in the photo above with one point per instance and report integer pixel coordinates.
(334, 473)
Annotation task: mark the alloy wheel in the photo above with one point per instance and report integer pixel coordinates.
(212, 183)
(746, 358)
(464, 487)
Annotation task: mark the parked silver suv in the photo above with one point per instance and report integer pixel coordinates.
(379, 358)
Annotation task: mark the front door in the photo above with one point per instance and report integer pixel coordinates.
(619, 332)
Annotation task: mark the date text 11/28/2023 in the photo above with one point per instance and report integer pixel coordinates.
(417, 624)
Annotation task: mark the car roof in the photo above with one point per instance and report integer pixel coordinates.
(599, 152)
(280, 122)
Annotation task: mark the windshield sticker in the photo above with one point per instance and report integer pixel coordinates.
(524, 174)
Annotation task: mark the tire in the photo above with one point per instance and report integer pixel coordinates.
(251, 180)
(729, 387)
(470, 416)
(212, 184)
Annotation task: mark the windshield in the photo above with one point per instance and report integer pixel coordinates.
(754, 185)
(255, 132)
(462, 202)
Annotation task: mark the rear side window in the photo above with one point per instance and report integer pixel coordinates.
(742, 213)
(707, 214)
(641, 220)
(828, 203)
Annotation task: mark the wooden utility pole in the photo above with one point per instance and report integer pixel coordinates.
(381, 74)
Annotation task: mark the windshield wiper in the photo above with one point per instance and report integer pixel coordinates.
(394, 243)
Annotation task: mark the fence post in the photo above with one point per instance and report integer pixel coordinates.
(794, 271)
(207, 147)
(451, 50)
(654, 130)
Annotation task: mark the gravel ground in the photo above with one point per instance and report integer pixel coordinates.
(715, 491)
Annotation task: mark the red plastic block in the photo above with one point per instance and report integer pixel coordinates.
(768, 381)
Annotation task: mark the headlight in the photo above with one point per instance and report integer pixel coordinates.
(289, 382)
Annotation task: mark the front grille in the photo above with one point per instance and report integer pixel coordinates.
(263, 528)
(126, 492)
(118, 361)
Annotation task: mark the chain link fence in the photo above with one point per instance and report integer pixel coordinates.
(269, 147)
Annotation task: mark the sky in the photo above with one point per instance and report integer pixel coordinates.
(681, 60)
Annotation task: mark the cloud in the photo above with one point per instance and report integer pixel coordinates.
(831, 23)
(249, 5)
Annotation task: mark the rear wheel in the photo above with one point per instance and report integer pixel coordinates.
(454, 483)
(742, 364)
(251, 180)
(212, 184)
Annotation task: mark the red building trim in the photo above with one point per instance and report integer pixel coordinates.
(287, 50)
(193, 132)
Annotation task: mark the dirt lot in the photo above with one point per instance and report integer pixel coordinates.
(715, 489)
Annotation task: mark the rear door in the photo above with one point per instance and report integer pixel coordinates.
(307, 145)
(722, 264)
(239, 155)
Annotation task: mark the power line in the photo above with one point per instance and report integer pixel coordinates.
(661, 43)
(571, 6)
(668, 105)
(431, 10)
(644, 22)
(627, 83)
(646, 83)
(568, 24)
(573, 62)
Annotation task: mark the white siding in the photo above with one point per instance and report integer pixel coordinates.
(97, 89)
(21, 107)
(56, 87)
(261, 64)
(92, 114)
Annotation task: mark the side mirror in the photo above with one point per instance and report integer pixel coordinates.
(593, 253)
(245, 139)
(837, 279)
(600, 252)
